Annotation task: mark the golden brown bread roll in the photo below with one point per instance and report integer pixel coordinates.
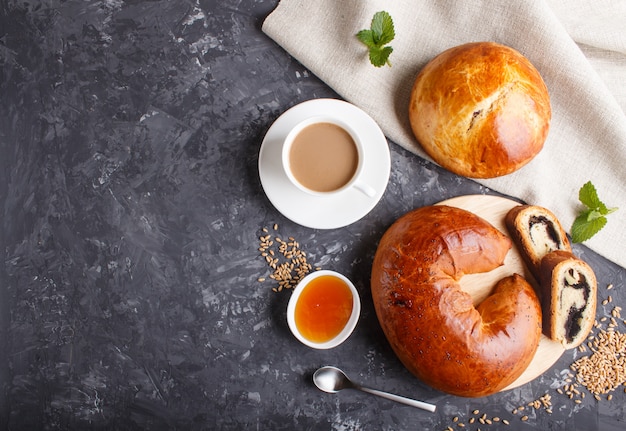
(480, 110)
(431, 323)
(536, 231)
(569, 292)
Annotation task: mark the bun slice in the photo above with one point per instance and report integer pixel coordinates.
(569, 291)
(536, 231)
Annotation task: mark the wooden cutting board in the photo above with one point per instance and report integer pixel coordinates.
(479, 286)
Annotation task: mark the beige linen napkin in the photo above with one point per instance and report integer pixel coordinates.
(587, 139)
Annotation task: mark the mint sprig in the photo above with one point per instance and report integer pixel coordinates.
(593, 218)
(380, 33)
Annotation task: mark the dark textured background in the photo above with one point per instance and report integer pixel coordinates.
(131, 210)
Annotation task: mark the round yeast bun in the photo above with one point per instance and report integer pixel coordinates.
(432, 324)
(480, 110)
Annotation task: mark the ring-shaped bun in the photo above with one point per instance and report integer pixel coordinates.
(432, 324)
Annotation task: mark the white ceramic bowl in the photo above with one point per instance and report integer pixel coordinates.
(347, 329)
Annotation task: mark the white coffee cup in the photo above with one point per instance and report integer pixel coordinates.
(311, 158)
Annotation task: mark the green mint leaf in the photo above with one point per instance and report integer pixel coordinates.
(382, 28)
(367, 37)
(589, 196)
(380, 56)
(593, 214)
(592, 219)
(584, 228)
(381, 32)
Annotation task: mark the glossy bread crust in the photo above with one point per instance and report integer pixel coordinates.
(431, 323)
(480, 110)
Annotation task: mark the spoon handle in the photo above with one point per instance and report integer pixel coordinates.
(398, 398)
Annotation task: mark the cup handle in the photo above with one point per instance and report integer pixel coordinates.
(365, 189)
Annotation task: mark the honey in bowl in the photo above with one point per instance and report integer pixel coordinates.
(323, 309)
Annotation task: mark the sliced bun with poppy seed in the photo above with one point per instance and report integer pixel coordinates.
(569, 291)
(536, 231)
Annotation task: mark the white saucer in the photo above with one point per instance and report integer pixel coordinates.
(324, 212)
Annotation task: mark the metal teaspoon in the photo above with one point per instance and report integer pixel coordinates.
(332, 380)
